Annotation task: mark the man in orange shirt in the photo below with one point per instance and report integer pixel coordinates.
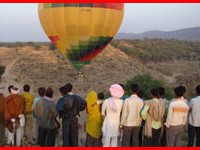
(14, 108)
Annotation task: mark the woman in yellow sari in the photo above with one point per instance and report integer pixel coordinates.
(94, 120)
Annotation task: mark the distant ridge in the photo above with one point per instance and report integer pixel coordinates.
(190, 34)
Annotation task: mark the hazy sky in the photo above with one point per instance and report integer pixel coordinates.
(20, 22)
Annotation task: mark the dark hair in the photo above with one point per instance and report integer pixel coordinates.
(121, 85)
(63, 90)
(134, 88)
(41, 91)
(161, 91)
(9, 88)
(140, 93)
(198, 89)
(26, 88)
(49, 92)
(69, 87)
(180, 91)
(100, 95)
(155, 92)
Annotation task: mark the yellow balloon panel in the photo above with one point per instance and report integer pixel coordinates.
(81, 30)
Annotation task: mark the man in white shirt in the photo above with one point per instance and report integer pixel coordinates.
(176, 117)
(130, 119)
(194, 119)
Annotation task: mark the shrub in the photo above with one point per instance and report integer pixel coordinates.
(37, 46)
(158, 50)
(146, 83)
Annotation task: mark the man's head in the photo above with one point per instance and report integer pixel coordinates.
(26, 88)
(69, 87)
(41, 91)
(134, 88)
(155, 93)
(116, 91)
(63, 90)
(49, 93)
(179, 91)
(100, 95)
(198, 90)
(14, 90)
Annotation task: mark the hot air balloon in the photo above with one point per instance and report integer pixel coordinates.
(80, 31)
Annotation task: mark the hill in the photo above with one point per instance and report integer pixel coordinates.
(174, 62)
(190, 34)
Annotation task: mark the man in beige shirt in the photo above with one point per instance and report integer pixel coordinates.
(130, 119)
(176, 117)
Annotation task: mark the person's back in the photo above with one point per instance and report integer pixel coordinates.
(69, 107)
(41, 93)
(177, 114)
(176, 117)
(2, 122)
(131, 119)
(46, 113)
(72, 103)
(113, 116)
(111, 110)
(157, 109)
(46, 119)
(153, 112)
(2, 107)
(14, 108)
(94, 120)
(194, 115)
(28, 101)
(194, 119)
(70, 119)
(133, 105)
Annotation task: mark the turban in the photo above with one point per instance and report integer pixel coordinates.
(116, 91)
(14, 90)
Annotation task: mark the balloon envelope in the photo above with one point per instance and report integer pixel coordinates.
(80, 31)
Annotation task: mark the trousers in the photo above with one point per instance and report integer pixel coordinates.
(11, 136)
(130, 136)
(110, 141)
(70, 131)
(46, 137)
(173, 135)
(192, 132)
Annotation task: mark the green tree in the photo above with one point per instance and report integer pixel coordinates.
(146, 83)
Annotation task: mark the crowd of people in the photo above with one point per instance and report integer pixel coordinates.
(119, 120)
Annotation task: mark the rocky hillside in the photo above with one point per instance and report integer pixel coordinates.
(174, 62)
